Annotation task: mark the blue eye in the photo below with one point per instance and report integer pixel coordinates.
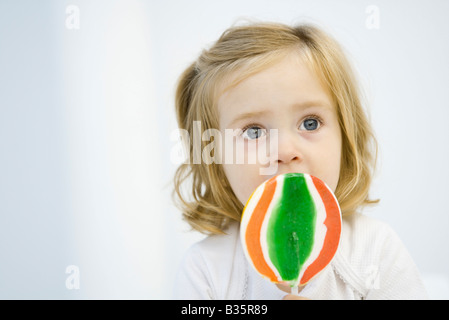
(253, 132)
(310, 124)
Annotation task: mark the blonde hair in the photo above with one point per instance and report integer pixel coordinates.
(209, 203)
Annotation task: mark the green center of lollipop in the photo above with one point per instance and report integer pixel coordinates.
(290, 230)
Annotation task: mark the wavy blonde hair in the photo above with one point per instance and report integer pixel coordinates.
(202, 191)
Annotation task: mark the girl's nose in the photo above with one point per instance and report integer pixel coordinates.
(288, 148)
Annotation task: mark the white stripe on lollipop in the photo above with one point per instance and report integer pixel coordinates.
(263, 232)
(320, 227)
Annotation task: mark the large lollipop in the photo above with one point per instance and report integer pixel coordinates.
(290, 228)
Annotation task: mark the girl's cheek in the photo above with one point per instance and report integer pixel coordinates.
(251, 154)
(259, 152)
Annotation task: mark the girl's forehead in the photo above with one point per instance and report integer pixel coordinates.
(241, 70)
(290, 79)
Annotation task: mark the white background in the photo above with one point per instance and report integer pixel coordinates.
(86, 116)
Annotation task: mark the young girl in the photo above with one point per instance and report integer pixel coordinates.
(291, 92)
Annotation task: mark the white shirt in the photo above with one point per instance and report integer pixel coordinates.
(370, 263)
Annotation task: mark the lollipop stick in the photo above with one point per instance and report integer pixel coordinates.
(294, 290)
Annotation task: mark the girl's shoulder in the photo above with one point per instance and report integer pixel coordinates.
(371, 258)
(367, 241)
(360, 232)
(211, 265)
(218, 244)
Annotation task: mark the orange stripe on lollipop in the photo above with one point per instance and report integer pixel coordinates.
(252, 236)
(332, 238)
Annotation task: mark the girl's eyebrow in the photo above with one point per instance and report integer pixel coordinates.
(249, 115)
(311, 104)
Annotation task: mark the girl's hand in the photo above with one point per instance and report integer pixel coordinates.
(286, 288)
